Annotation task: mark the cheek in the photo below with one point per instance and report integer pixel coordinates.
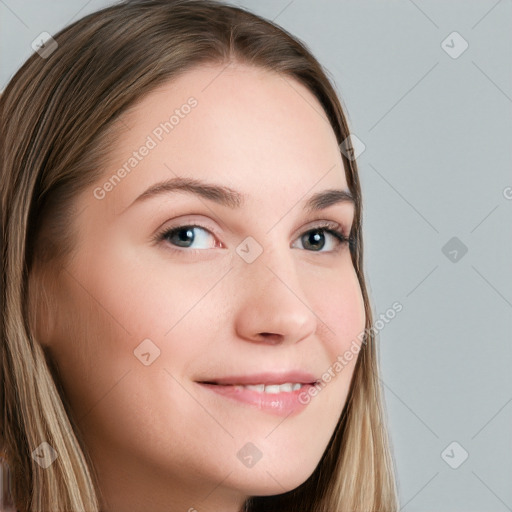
(146, 292)
(113, 303)
(89, 345)
(340, 307)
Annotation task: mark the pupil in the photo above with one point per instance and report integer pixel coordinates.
(316, 236)
(189, 233)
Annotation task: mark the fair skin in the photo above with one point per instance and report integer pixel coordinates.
(159, 440)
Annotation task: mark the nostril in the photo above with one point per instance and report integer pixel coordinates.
(270, 336)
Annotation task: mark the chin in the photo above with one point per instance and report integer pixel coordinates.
(269, 482)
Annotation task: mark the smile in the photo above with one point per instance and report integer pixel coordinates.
(276, 399)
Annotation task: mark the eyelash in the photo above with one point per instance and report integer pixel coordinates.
(332, 228)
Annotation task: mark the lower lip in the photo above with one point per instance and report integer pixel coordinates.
(280, 404)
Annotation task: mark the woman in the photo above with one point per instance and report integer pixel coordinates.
(144, 373)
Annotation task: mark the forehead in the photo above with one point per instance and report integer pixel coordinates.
(256, 131)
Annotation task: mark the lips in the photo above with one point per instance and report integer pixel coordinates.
(270, 392)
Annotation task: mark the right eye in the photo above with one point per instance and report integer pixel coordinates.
(185, 235)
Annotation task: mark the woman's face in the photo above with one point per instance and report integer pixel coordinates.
(252, 296)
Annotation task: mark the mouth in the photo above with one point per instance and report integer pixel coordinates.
(270, 392)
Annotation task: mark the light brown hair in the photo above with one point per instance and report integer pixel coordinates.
(57, 124)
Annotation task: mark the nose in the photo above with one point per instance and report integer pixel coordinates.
(272, 307)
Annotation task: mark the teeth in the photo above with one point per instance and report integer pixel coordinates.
(273, 388)
(256, 387)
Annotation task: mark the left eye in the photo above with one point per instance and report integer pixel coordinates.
(313, 239)
(316, 236)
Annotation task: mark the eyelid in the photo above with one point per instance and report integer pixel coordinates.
(319, 223)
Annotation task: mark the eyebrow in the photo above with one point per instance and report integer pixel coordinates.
(233, 199)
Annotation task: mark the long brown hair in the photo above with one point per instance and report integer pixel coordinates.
(57, 121)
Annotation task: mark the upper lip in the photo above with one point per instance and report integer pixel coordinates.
(293, 376)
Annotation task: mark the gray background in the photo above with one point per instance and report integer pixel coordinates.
(438, 136)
